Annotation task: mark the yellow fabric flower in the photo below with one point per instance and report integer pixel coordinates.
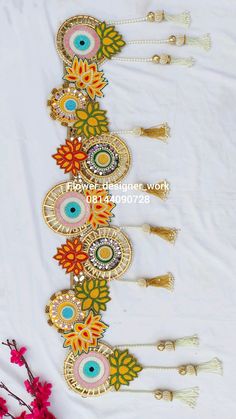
(86, 77)
(111, 41)
(85, 335)
(101, 207)
(123, 368)
(94, 294)
(91, 121)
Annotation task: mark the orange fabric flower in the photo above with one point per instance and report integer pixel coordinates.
(85, 335)
(86, 77)
(70, 257)
(101, 207)
(69, 156)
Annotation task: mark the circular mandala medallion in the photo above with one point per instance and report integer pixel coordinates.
(77, 36)
(63, 103)
(108, 159)
(66, 211)
(63, 310)
(88, 374)
(109, 251)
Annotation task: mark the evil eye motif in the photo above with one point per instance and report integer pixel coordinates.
(109, 253)
(81, 40)
(89, 373)
(66, 212)
(77, 36)
(72, 209)
(63, 310)
(91, 370)
(108, 159)
(64, 102)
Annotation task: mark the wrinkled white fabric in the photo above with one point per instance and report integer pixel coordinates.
(199, 161)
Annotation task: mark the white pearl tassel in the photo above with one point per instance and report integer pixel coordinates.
(162, 59)
(187, 341)
(187, 396)
(201, 41)
(188, 62)
(179, 40)
(172, 345)
(183, 19)
(213, 366)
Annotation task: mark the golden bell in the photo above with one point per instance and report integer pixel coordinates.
(158, 394)
(151, 17)
(182, 370)
(172, 39)
(161, 346)
(156, 59)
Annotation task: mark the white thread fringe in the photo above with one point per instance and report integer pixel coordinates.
(188, 396)
(188, 62)
(213, 366)
(183, 19)
(202, 42)
(187, 341)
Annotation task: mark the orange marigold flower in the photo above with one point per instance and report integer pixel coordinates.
(69, 156)
(85, 335)
(70, 256)
(101, 207)
(86, 77)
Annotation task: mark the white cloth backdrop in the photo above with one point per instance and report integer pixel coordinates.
(199, 161)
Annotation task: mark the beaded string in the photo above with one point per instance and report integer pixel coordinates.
(128, 21)
(162, 59)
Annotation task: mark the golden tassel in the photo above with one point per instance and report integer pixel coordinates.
(163, 281)
(159, 132)
(160, 189)
(166, 233)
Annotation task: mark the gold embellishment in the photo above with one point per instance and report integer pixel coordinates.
(187, 370)
(104, 241)
(162, 281)
(113, 172)
(60, 301)
(165, 395)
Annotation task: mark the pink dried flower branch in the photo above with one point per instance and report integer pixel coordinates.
(41, 392)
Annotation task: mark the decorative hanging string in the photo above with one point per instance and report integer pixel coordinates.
(159, 132)
(163, 59)
(183, 19)
(169, 345)
(187, 396)
(163, 281)
(203, 41)
(166, 233)
(214, 366)
(160, 189)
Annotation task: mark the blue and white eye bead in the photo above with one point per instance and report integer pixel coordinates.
(91, 370)
(72, 209)
(82, 40)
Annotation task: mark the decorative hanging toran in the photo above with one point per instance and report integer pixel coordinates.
(81, 209)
